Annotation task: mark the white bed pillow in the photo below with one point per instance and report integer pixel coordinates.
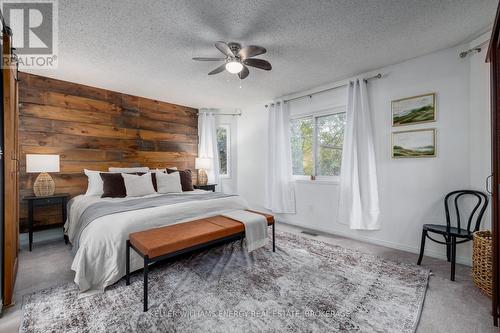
(128, 170)
(168, 183)
(165, 169)
(95, 183)
(138, 186)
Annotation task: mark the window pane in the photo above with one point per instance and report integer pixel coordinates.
(302, 146)
(330, 138)
(222, 147)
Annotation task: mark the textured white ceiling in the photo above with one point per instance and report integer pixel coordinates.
(145, 47)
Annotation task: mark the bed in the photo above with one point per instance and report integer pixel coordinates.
(98, 239)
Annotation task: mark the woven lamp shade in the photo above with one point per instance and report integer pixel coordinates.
(202, 177)
(44, 184)
(202, 163)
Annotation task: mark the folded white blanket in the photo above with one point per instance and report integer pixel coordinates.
(255, 227)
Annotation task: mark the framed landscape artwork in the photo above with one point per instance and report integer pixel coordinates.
(414, 110)
(415, 143)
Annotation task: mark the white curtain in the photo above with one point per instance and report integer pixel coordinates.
(359, 205)
(208, 145)
(280, 195)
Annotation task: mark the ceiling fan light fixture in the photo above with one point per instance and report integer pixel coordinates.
(237, 59)
(234, 67)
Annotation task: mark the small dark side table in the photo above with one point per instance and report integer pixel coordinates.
(56, 199)
(208, 187)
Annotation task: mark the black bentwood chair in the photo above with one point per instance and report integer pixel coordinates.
(451, 233)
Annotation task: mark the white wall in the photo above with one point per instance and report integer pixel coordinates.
(411, 190)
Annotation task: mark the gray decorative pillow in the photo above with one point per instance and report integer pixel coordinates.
(186, 178)
(138, 186)
(168, 183)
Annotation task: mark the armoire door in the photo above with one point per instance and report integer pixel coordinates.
(11, 170)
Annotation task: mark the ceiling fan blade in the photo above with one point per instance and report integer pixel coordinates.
(224, 48)
(244, 72)
(219, 69)
(251, 51)
(258, 63)
(208, 59)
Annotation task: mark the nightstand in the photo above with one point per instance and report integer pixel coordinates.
(60, 199)
(208, 187)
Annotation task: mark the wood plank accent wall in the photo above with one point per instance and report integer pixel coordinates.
(92, 128)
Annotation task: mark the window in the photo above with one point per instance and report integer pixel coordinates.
(330, 138)
(316, 143)
(302, 146)
(223, 146)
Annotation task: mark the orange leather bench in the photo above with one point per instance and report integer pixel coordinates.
(169, 241)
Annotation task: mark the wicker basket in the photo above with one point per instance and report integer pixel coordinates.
(482, 261)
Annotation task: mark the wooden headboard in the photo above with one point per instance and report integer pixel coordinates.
(94, 129)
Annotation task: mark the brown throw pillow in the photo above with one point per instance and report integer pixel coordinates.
(153, 179)
(113, 185)
(186, 179)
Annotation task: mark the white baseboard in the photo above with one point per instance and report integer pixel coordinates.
(430, 253)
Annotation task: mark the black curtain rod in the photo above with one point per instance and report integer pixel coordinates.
(378, 76)
(476, 48)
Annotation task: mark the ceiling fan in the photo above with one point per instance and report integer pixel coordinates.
(237, 59)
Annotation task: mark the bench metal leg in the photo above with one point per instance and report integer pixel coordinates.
(127, 264)
(146, 270)
(274, 239)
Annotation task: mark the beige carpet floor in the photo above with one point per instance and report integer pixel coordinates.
(449, 306)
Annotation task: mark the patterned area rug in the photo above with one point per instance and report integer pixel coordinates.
(306, 285)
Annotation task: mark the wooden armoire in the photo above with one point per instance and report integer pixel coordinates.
(10, 168)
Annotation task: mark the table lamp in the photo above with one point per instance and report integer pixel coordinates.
(202, 164)
(44, 184)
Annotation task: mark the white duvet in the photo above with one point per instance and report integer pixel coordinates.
(100, 258)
